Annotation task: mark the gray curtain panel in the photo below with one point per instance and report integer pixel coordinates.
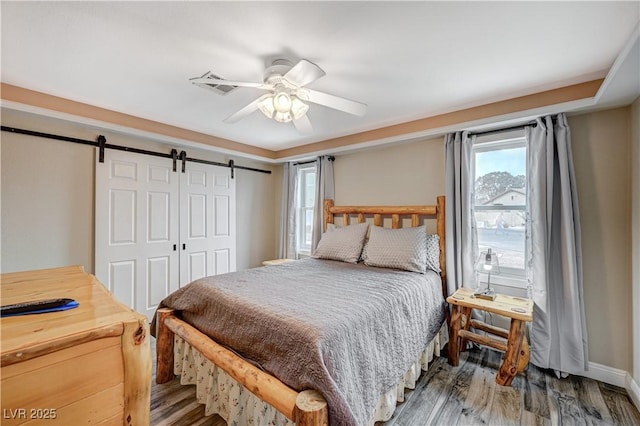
(558, 332)
(461, 244)
(325, 189)
(287, 244)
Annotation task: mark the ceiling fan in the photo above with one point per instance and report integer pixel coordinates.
(287, 94)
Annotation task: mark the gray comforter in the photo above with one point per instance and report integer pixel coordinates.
(348, 331)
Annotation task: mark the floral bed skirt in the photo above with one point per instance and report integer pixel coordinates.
(223, 395)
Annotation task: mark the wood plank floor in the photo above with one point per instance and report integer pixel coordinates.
(463, 395)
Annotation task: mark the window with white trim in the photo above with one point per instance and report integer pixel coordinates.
(500, 203)
(305, 203)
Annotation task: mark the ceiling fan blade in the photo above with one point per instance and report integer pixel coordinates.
(331, 101)
(218, 81)
(242, 113)
(303, 73)
(303, 125)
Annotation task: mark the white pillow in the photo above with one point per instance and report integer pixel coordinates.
(404, 248)
(342, 243)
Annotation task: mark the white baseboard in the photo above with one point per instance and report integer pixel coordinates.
(603, 373)
(634, 390)
(616, 377)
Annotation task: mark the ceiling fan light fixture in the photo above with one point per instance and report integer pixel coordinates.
(298, 108)
(266, 106)
(283, 117)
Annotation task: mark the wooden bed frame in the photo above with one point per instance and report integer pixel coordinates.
(308, 407)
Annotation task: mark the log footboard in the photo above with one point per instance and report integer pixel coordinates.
(306, 408)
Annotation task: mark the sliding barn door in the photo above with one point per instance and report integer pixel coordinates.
(207, 232)
(157, 229)
(137, 226)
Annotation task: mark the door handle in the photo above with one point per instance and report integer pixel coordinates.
(184, 246)
(175, 247)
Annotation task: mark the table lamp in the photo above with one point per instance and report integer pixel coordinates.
(487, 263)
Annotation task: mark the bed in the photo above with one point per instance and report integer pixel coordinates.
(317, 341)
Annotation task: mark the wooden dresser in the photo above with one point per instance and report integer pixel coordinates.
(89, 365)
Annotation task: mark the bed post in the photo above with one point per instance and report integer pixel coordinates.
(310, 409)
(328, 216)
(442, 232)
(164, 347)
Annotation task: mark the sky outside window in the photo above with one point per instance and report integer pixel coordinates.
(504, 160)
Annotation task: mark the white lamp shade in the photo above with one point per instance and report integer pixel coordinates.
(298, 108)
(282, 117)
(266, 106)
(282, 102)
(487, 262)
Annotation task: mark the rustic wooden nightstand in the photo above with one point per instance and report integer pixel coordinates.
(516, 348)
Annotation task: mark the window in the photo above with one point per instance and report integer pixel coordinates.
(305, 202)
(500, 203)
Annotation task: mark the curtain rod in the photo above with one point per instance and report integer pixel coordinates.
(101, 143)
(506, 129)
(302, 163)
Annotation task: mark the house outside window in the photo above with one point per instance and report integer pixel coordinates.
(305, 203)
(500, 204)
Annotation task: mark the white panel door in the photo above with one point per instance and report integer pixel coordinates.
(207, 229)
(137, 228)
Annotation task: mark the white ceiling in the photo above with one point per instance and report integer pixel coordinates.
(405, 60)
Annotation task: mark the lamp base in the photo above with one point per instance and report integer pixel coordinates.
(485, 293)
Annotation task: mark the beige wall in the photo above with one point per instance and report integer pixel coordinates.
(413, 173)
(48, 197)
(635, 225)
(403, 174)
(601, 149)
(409, 173)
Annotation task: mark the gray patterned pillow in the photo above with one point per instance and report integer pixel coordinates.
(433, 252)
(363, 256)
(398, 248)
(342, 243)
